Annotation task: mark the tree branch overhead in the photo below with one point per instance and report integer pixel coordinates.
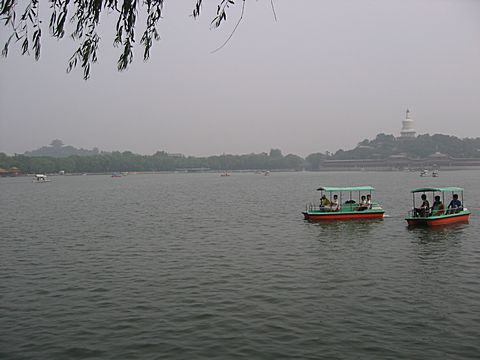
(25, 25)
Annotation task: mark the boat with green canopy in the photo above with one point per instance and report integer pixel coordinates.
(344, 203)
(438, 213)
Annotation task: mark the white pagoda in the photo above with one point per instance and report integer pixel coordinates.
(408, 131)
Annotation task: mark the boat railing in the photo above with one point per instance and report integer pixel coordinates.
(320, 208)
(344, 207)
(454, 210)
(357, 207)
(420, 213)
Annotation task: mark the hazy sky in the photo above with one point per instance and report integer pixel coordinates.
(326, 75)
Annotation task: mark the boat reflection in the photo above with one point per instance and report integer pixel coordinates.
(348, 229)
(437, 234)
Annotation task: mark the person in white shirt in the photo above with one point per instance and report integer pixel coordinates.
(334, 205)
(369, 201)
(363, 204)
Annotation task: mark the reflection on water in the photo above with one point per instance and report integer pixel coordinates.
(437, 242)
(351, 231)
(347, 227)
(438, 233)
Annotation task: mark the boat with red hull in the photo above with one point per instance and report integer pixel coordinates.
(438, 215)
(334, 209)
(337, 216)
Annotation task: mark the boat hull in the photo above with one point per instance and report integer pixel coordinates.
(335, 216)
(439, 220)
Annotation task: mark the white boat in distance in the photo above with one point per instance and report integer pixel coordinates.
(41, 178)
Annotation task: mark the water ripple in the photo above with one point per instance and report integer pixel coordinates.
(181, 266)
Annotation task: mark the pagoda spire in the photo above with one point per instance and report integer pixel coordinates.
(408, 130)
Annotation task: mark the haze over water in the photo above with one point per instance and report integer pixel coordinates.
(198, 266)
(325, 76)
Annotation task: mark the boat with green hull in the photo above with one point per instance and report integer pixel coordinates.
(341, 204)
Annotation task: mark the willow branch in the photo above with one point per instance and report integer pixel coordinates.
(234, 29)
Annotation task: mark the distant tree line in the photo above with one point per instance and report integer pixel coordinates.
(57, 157)
(160, 161)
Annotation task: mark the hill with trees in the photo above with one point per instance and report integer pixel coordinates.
(422, 146)
(57, 149)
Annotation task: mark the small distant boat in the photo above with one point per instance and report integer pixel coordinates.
(116, 175)
(435, 173)
(438, 214)
(41, 178)
(337, 209)
(424, 173)
(262, 172)
(225, 174)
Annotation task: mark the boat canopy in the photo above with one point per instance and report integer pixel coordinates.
(439, 189)
(346, 189)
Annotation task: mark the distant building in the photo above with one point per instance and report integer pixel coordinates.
(399, 162)
(438, 155)
(175, 155)
(13, 171)
(408, 129)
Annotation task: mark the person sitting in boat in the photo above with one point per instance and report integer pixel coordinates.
(324, 202)
(369, 201)
(437, 206)
(423, 210)
(363, 203)
(455, 205)
(335, 205)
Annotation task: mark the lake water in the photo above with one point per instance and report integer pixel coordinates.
(199, 266)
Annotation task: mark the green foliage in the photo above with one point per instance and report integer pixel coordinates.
(422, 146)
(160, 161)
(382, 147)
(275, 153)
(293, 162)
(312, 161)
(24, 22)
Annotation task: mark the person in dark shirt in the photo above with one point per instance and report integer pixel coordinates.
(423, 210)
(455, 205)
